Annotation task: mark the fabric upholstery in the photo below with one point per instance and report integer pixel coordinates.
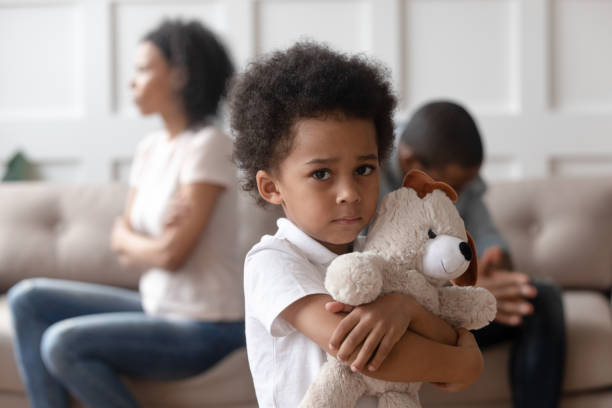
(561, 228)
(60, 232)
(557, 228)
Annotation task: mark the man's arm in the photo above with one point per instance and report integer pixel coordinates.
(480, 224)
(512, 289)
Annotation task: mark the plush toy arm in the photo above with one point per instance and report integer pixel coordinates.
(414, 283)
(355, 278)
(467, 306)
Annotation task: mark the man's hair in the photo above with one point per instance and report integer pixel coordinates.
(308, 80)
(443, 132)
(202, 58)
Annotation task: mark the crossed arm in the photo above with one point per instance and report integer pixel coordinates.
(430, 351)
(174, 246)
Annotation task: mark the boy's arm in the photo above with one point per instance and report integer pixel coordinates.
(392, 311)
(413, 358)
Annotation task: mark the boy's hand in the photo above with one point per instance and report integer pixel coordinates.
(467, 340)
(338, 307)
(510, 288)
(375, 327)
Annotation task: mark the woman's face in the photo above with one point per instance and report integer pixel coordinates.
(152, 83)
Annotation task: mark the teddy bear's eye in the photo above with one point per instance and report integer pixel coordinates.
(431, 234)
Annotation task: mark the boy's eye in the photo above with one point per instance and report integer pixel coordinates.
(321, 174)
(431, 234)
(365, 170)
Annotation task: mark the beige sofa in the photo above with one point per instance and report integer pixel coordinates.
(560, 228)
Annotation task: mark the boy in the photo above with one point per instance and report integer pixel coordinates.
(443, 140)
(312, 127)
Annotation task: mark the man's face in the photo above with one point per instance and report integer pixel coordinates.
(453, 174)
(457, 176)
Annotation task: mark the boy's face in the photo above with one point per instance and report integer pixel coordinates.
(328, 183)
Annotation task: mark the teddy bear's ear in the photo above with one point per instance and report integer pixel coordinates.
(423, 184)
(471, 274)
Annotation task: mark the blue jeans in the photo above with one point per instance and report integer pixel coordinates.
(537, 353)
(78, 338)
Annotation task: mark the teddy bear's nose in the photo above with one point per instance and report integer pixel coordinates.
(466, 251)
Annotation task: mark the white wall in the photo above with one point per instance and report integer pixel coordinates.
(536, 73)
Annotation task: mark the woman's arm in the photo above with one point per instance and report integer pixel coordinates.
(171, 249)
(413, 358)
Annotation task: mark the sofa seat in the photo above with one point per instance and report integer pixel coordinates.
(588, 367)
(588, 361)
(229, 381)
(559, 229)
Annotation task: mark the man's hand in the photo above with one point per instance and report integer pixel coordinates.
(371, 329)
(510, 288)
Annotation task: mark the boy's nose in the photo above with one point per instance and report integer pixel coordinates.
(348, 193)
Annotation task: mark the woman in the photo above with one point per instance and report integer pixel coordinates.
(179, 224)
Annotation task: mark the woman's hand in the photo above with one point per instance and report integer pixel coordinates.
(117, 234)
(376, 327)
(466, 340)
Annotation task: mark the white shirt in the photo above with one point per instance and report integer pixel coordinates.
(209, 285)
(278, 271)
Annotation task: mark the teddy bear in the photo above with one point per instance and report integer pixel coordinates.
(416, 244)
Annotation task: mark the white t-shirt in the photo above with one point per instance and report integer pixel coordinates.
(278, 271)
(209, 285)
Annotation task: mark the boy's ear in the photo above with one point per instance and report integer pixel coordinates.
(268, 190)
(407, 159)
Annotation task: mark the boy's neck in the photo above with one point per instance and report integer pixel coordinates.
(338, 249)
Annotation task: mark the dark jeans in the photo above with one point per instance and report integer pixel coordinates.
(79, 337)
(537, 352)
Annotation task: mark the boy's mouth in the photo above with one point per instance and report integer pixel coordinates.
(347, 220)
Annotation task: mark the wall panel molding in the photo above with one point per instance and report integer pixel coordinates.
(535, 73)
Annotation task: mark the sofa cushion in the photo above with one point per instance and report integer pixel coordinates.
(60, 232)
(561, 228)
(588, 362)
(63, 232)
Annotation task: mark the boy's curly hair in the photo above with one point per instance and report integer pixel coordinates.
(308, 80)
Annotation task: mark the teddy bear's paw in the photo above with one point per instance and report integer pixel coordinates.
(485, 308)
(354, 278)
(477, 307)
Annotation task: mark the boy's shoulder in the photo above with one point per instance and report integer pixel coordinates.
(273, 246)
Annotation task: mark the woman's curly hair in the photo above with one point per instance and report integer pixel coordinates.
(207, 67)
(308, 80)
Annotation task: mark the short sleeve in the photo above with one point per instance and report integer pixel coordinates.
(275, 279)
(143, 150)
(209, 159)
